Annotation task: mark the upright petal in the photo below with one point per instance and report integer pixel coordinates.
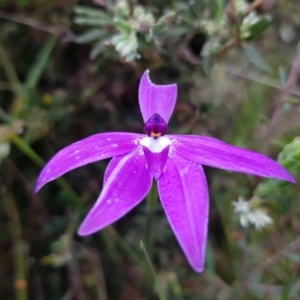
(184, 196)
(127, 182)
(158, 99)
(94, 148)
(215, 153)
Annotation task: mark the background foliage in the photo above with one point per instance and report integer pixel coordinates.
(71, 68)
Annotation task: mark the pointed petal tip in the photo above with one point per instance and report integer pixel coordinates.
(197, 263)
(82, 231)
(291, 179)
(146, 76)
(38, 186)
(154, 98)
(285, 175)
(198, 269)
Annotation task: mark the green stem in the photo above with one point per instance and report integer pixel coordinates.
(19, 247)
(110, 246)
(11, 74)
(151, 206)
(160, 293)
(130, 7)
(26, 149)
(123, 246)
(39, 65)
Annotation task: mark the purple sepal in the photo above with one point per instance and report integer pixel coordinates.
(184, 196)
(212, 152)
(127, 182)
(96, 147)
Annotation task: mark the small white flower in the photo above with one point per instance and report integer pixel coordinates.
(248, 215)
(241, 206)
(260, 219)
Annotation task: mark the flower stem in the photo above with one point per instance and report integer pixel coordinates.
(160, 293)
(151, 206)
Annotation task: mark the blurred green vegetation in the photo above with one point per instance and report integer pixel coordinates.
(69, 69)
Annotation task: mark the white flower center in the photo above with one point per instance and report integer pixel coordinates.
(155, 145)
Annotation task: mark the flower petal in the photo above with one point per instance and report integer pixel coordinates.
(126, 184)
(158, 99)
(215, 153)
(184, 196)
(94, 148)
(156, 161)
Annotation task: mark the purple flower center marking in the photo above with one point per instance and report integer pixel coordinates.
(156, 126)
(175, 161)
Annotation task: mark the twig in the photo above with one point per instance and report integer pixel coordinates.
(254, 5)
(76, 280)
(92, 256)
(231, 44)
(235, 22)
(279, 102)
(269, 81)
(277, 257)
(61, 31)
(273, 290)
(36, 201)
(130, 7)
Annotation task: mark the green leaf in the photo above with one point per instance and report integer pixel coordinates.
(258, 28)
(215, 8)
(96, 50)
(207, 64)
(254, 56)
(88, 21)
(261, 26)
(123, 25)
(90, 36)
(40, 63)
(166, 18)
(283, 74)
(281, 191)
(93, 13)
(199, 7)
(126, 45)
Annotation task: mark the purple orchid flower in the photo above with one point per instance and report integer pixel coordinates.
(175, 161)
